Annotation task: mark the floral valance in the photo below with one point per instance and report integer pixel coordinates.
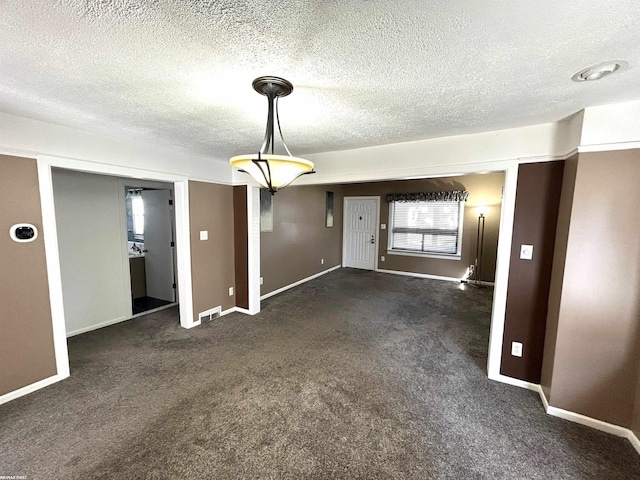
(457, 196)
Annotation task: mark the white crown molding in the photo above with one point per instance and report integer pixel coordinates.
(607, 147)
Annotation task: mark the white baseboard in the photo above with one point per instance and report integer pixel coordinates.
(432, 277)
(515, 382)
(97, 326)
(117, 320)
(7, 397)
(153, 310)
(589, 421)
(240, 310)
(418, 275)
(299, 282)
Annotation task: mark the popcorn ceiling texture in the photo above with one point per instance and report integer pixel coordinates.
(364, 72)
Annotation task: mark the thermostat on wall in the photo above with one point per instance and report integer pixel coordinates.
(23, 232)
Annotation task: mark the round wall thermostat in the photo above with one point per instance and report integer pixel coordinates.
(23, 232)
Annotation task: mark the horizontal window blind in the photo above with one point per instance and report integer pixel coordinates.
(429, 227)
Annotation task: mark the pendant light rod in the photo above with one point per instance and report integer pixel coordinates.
(272, 88)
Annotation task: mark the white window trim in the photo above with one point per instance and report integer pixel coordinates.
(413, 253)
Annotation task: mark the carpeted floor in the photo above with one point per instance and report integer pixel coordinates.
(353, 375)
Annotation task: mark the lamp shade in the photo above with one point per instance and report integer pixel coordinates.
(272, 171)
(483, 210)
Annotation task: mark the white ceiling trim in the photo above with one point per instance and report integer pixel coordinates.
(25, 137)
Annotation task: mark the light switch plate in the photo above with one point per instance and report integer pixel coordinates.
(516, 349)
(231, 291)
(383, 226)
(526, 252)
(204, 234)
(261, 281)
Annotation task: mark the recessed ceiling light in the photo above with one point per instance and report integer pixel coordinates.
(596, 72)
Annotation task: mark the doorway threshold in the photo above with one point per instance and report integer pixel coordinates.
(154, 309)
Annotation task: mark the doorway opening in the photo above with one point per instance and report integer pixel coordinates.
(107, 278)
(151, 247)
(411, 236)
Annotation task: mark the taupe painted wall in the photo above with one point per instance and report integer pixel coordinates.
(26, 339)
(595, 369)
(300, 238)
(557, 271)
(212, 260)
(535, 219)
(635, 424)
(483, 190)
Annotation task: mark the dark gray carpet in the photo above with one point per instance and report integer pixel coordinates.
(353, 375)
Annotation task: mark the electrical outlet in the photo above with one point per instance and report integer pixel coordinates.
(322, 261)
(516, 349)
(204, 235)
(382, 258)
(231, 291)
(261, 280)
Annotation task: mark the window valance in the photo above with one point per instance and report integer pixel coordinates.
(456, 196)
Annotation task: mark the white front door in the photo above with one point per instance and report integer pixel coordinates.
(158, 239)
(360, 232)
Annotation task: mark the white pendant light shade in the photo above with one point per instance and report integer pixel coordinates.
(272, 171)
(280, 169)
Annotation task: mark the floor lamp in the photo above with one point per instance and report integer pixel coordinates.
(482, 211)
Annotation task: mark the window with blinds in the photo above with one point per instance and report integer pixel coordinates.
(426, 227)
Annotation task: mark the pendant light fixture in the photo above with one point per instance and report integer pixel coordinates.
(272, 171)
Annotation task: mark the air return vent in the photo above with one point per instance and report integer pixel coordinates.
(210, 314)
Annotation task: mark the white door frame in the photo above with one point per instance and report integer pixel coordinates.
(181, 200)
(377, 224)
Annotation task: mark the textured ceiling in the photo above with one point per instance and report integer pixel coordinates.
(365, 72)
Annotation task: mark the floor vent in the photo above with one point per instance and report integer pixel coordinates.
(210, 314)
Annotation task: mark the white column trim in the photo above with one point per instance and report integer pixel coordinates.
(45, 181)
(253, 249)
(503, 260)
(183, 254)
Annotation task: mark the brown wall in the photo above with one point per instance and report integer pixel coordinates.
(241, 245)
(212, 260)
(535, 218)
(300, 238)
(483, 190)
(26, 338)
(557, 271)
(635, 424)
(595, 369)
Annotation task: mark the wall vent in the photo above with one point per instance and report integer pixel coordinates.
(210, 314)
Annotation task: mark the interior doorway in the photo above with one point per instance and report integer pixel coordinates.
(100, 268)
(151, 247)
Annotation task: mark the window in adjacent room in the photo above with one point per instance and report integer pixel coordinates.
(426, 228)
